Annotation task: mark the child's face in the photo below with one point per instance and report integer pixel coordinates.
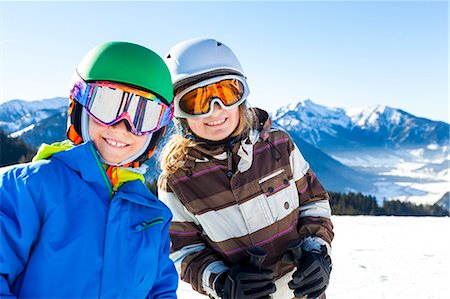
(216, 127)
(115, 143)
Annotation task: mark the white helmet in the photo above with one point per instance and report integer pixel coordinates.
(198, 59)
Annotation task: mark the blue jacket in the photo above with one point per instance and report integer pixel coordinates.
(64, 235)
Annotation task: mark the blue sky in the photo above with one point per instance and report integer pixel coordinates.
(336, 53)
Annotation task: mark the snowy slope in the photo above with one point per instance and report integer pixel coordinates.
(384, 257)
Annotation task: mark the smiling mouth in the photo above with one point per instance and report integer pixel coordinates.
(217, 122)
(115, 143)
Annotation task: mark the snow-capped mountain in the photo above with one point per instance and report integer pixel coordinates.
(318, 125)
(378, 126)
(16, 115)
(47, 130)
(397, 127)
(407, 156)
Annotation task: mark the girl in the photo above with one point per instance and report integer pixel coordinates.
(238, 188)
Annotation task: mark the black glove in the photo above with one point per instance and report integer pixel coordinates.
(313, 273)
(245, 282)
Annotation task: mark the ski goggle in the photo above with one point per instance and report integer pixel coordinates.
(197, 101)
(111, 102)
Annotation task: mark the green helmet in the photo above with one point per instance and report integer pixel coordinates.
(127, 63)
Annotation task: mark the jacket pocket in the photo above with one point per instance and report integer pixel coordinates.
(144, 251)
(274, 183)
(280, 194)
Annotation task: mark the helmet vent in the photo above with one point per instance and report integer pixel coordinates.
(219, 43)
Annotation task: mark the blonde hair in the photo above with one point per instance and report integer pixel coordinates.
(173, 155)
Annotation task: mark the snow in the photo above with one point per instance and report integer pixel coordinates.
(373, 117)
(421, 182)
(384, 257)
(368, 159)
(418, 153)
(20, 132)
(433, 146)
(390, 257)
(307, 115)
(417, 175)
(427, 194)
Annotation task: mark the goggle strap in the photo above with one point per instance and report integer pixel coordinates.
(204, 76)
(73, 135)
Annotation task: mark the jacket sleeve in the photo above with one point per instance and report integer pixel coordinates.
(315, 210)
(19, 225)
(167, 276)
(195, 260)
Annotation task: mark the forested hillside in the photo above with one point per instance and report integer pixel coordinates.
(14, 150)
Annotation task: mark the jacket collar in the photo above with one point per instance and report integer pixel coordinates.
(264, 123)
(84, 159)
(241, 146)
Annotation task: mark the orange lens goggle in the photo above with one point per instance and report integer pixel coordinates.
(198, 100)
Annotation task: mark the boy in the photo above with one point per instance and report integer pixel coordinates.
(78, 221)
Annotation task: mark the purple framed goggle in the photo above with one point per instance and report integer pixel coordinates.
(111, 102)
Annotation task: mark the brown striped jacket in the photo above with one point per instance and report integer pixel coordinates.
(260, 192)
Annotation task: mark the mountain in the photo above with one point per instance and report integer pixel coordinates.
(14, 150)
(318, 125)
(47, 130)
(407, 156)
(378, 126)
(16, 115)
(444, 202)
(334, 175)
(397, 128)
